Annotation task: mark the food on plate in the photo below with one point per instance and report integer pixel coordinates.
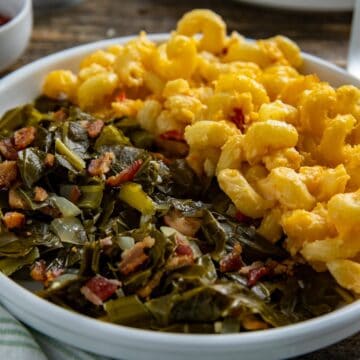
(199, 185)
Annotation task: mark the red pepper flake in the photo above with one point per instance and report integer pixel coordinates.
(224, 51)
(256, 274)
(174, 135)
(125, 175)
(238, 118)
(240, 217)
(121, 96)
(4, 19)
(99, 289)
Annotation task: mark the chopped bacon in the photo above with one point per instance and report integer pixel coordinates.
(49, 160)
(240, 217)
(7, 149)
(232, 261)
(177, 262)
(8, 173)
(256, 274)
(121, 96)
(38, 271)
(185, 225)
(101, 165)
(125, 175)
(175, 135)
(251, 323)
(133, 258)
(238, 118)
(40, 194)
(14, 220)
(99, 289)
(24, 137)
(15, 200)
(94, 128)
(182, 245)
(75, 194)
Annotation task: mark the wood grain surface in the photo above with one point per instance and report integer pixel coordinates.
(325, 34)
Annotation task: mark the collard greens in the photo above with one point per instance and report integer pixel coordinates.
(119, 232)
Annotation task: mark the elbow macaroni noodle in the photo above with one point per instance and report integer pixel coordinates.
(285, 147)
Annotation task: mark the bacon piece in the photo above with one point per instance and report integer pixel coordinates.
(99, 289)
(185, 225)
(251, 323)
(184, 249)
(133, 258)
(125, 175)
(256, 274)
(75, 194)
(172, 147)
(49, 160)
(24, 137)
(175, 135)
(101, 165)
(14, 220)
(15, 200)
(177, 262)
(7, 149)
(232, 261)
(94, 128)
(38, 271)
(40, 194)
(238, 118)
(8, 173)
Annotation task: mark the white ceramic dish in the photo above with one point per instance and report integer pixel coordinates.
(128, 343)
(311, 5)
(14, 35)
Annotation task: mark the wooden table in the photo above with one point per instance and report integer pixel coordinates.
(323, 34)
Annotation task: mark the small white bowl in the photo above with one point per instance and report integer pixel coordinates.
(122, 342)
(14, 35)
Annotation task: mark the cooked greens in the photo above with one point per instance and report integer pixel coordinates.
(117, 231)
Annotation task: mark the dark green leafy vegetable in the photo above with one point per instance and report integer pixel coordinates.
(9, 265)
(157, 250)
(31, 163)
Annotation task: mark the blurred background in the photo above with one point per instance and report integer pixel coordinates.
(55, 28)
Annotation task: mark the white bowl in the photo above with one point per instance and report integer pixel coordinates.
(14, 35)
(128, 343)
(308, 5)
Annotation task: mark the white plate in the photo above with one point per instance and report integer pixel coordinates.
(128, 343)
(318, 5)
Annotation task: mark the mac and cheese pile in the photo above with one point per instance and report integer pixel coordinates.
(283, 146)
